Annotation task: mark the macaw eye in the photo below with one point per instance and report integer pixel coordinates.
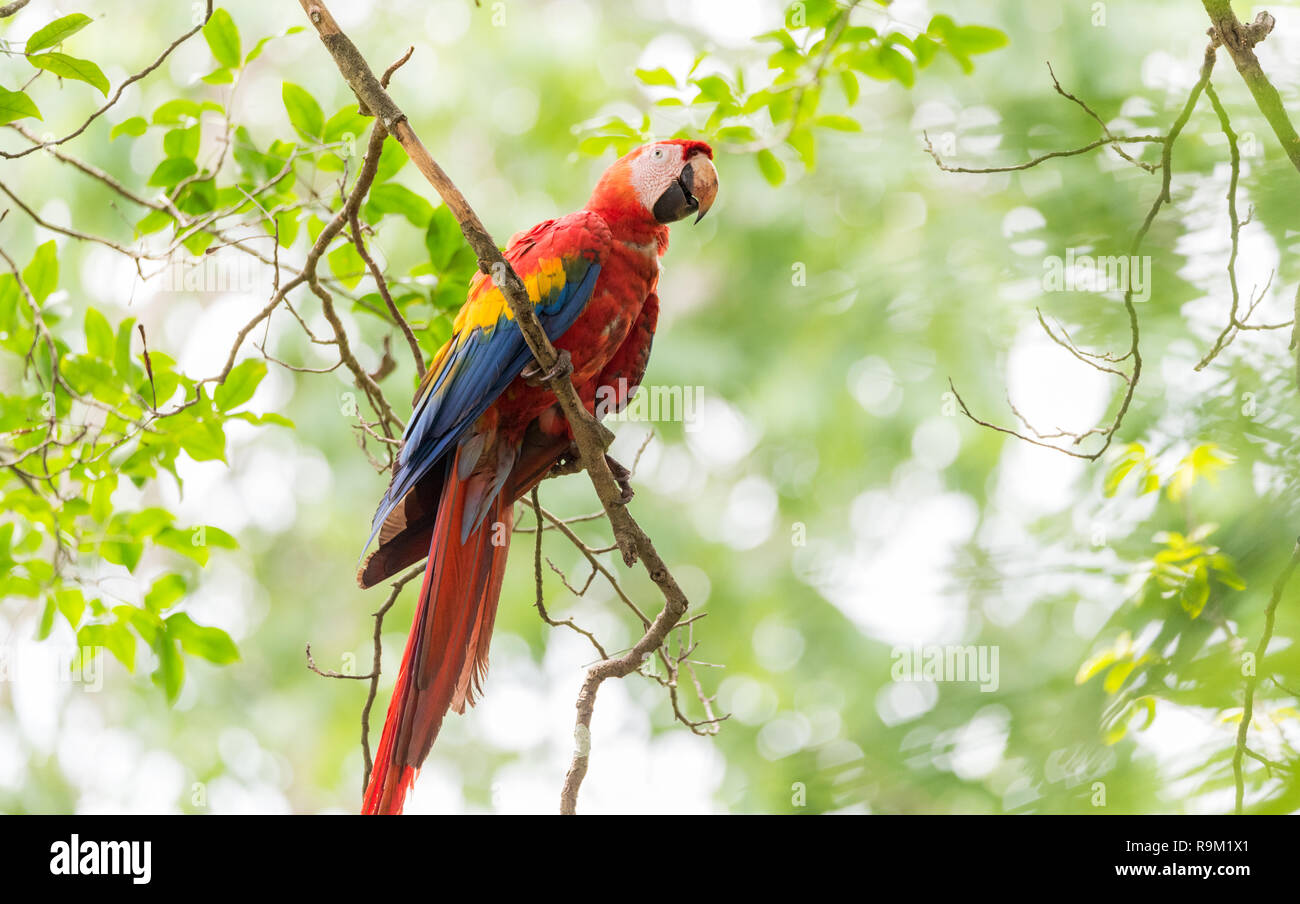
(658, 154)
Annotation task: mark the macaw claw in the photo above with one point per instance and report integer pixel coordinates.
(623, 477)
(571, 463)
(532, 372)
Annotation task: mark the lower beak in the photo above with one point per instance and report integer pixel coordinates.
(693, 192)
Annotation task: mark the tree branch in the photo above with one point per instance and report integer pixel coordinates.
(1240, 40)
(1252, 680)
(1134, 352)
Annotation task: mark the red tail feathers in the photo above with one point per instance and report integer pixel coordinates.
(447, 652)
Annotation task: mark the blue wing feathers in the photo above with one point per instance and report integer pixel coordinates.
(480, 369)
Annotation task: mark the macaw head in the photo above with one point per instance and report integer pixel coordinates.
(659, 183)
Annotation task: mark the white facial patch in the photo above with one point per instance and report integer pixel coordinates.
(654, 171)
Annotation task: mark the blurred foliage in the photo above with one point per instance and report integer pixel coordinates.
(835, 509)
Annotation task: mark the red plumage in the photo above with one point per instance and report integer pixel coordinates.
(461, 510)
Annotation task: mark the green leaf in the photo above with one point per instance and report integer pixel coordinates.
(1093, 666)
(42, 274)
(257, 49)
(1226, 572)
(215, 536)
(218, 76)
(1133, 455)
(1118, 674)
(72, 603)
(1148, 703)
(801, 139)
(170, 674)
(713, 88)
(896, 65)
(851, 87)
(154, 221)
(261, 420)
(16, 105)
(183, 542)
(925, 49)
(858, 34)
(304, 113)
(781, 36)
(172, 171)
(46, 624)
(182, 142)
(660, 76)
(240, 384)
(962, 41)
(71, 67)
(1206, 460)
(165, 592)
(344, 123)
(771, 168)
(204, 440)
(176, 112)
(1119, 728)
(134, 127)
(122, 553)
(223, 38)
(972, 39)
(211, 644)
(116, 638)
(393, 198)
(443, 239)
(148, 522)
(261, 45)
(101, 497)
(99, 335)
(391, 159)
(122, 350)
(57, 32)
(347, 264)
(839, 123)
(1196, 592)
(288, 224)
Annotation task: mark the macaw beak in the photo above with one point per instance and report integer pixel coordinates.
(693, 192)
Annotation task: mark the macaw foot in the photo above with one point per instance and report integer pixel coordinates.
(568, 463)
(532, 372)
(571, 462)
(623, 477)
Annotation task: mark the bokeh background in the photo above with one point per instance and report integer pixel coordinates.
(828, 507)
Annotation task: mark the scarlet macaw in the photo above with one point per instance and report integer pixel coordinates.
(485, 430)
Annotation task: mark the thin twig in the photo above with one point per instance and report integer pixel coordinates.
(1252, 680)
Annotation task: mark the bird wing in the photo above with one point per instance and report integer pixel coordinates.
(558, 261)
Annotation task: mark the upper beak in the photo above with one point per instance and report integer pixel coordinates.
(702, 179)
(693, 192)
